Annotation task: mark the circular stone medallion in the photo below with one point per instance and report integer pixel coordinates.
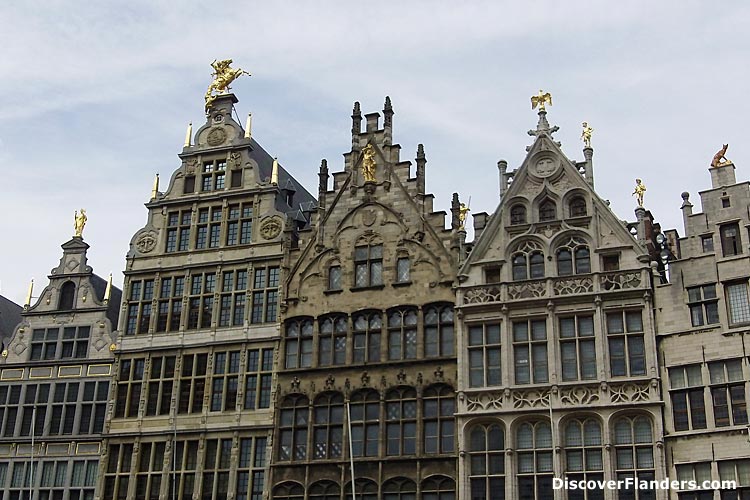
(216, 136)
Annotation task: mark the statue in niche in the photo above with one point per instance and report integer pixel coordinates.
(368, 163)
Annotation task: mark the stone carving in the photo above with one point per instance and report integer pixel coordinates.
(544, 167)
(535, 398)
(629, 392)
(527, 290)
(270, 228)
(484, 401)
(620, 281)
(369, 217)
(573, 285)
(719, 159)
(216, 136)
(146, 242)
(329, 382)
(483, 295)
(236, 159)
(579, 396)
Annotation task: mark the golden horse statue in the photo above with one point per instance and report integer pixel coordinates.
(223, 77)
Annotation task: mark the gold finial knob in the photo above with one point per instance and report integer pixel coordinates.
(112, 347)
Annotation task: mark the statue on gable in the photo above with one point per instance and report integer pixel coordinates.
(640, 190)
(79, 221)
(368, 163)
(223, 75)
(586, 134)
(719, 159)
(540, 99)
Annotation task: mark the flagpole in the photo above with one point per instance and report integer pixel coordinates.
(31, 464)
(351, 446)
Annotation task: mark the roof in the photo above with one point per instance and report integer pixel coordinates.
(10, 317)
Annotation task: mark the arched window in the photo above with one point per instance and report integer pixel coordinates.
(328, 430)
(367, 330)
(67, 296)
(517, 214)
(439, 403)
(487, 462)
(299, 343)
(528, 261)
(519, 267)
(324, 490)
(534, 446)
(573, 257)
(365, 488)
(401, 421)
(400, 488)
(438, 488)
(293, 428)
(288, 491)
(334, 277)
(634, 453)
(368, 265)
(547, 210)
(438, 330)
(583, 456)
(365, 415)
(402, 333)
(332, 348)
(577, 207)
(536, 265)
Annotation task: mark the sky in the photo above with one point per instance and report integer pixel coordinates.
(95, 98)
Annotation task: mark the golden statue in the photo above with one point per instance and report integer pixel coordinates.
(368, 163)
(540, 99)
(79, 223)
(463, 210)
(586, 135)
(640, 190)
(719, 159)
(223, 76)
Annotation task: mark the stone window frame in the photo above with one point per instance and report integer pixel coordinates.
(233, 297)
(251, 464)
(225, 380)
(368, 262)
(735, 470)
(438, 487)
(698, 472)
(401, 421)
(185, 467)
(169, 306)
(298, 342)
(582, 338)
(727, 384)
(324, 490)
(534, 457)
(258, 379)
(518, 214)
(162, 374)
(707, 243)
(527, 261)
(213, 175)
(328, 426)
(399, 488)
(366, 489)
(265, 294)
(630, 341)
(439, 335)
(148, 472)
(438, 422)
(294, 417)
(626, 442)
(200, 299)
(485, 354)
(573, 257)
(288, 490)
(731, 244)
(53, 476)
(587, 445)
(687, 390)
(547, 210)
(193, 383)
(365, 423)
(371, 335)
(334, 281)
(139, 306)
(703, 303)
(215, 476)
(117, 471)
(333, 333)
(738, 302)
(129, 387)
(403, 269)
(403, 335)
(62, 342)
(577, 206)
(239, 224)
(486, 459)
(532, 344)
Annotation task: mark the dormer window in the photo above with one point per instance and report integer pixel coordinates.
(577, 207)
(547, 210)
(518, 215)
(67, 296)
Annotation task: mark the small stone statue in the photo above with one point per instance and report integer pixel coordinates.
(586, 135)
(463, 210)
(79, 223)
(368, 163)
(719, 159)
(640, 190)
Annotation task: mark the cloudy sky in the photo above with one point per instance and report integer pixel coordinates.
(95, 98)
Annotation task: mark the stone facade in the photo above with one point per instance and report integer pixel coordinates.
(703, 320)
(54, 384)
(368, 347)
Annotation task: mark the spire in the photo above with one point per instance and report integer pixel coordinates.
(275, 172)
(356, 125)
(108, 291)
(188, 135)
(421, 164)
(155, 189)
(248, 126)
(542, 127)
(27, 303)
(388, 112)
(323, 178)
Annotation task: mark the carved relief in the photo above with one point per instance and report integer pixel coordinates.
(629, 393)
(572, 286)
(579, 396)
(620, 281)
(485, 401)
(146, 242)
(216, 136)
(270, 228)
(545, 167)
(369, 217)
(483, 295)
(527, 290)
(535, 398)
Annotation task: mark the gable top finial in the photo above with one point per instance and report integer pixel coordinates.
(542, 127)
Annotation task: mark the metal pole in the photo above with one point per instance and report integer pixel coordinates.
(351, 447)
(31, 463)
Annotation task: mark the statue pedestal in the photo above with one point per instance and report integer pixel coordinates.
(723, 175)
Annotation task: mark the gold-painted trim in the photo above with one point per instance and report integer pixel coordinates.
(49, 375)
(10, 370)
(60, 375)
(109, 370)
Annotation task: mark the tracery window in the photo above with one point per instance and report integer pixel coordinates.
(403, 270)
(634, 454)
(400, 488)
(534, 445)
(573, 257)
(583, 456)
(324, 490)
(402, 333)
(328, 425)
(367, 332)
(401, 421)
(332, 346)
(250, 470)
(577, 207)
(438, 488)
(289, 491)
(547, 210)
(517, 214)
(299, 343)
(366, 490)
(528, 261)
(365, 415)
(293, 428)
(487, 462)
(438, 330)
(439, 426)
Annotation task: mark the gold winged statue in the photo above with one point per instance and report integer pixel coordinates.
(540, 99)
(223, 76)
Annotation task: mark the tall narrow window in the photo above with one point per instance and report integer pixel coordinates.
(192, 383)
(634, 454)
(487, 462)
(225, 381)
(148, 474)
(334, 277)
(368, 265)
(367, 332)
(365, 414)
(201, 235)
(402, 334)
(401, 421)
(293, 428)
(403, 270)
(265, 295)
(577, 207)
(737, 301)
(573, 257)
(182, 483)
(739, 472)
(217, 459)
(730, 239)
(438, 330)
(547, 210)
(332, 345)
(536, 265)
(258, 379)
(728, 392)
(577, 348)
(484, 355)
(439, 427)
(213, 176)
(214, 227)
(250, 468)
(160, 385)
(171, 290)
(299, 343)
(328, 425)
(626, 349)
(201, 300)
(686, 393)
(128, 388)
(700, 473)
(67, 296)
(233, 298)
(530, 351)
(707, 243)
(518, 215)
(528, 261)
(535, 470)
(583, 457)
(703, 304)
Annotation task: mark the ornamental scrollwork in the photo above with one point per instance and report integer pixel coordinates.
(629, 393)
(483, 295)
(572, 286)
(579, 396)
(620, 281)
(484, 401)
(531, 399)
(527, 290)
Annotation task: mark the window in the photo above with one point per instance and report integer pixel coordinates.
(10, 396)
(577, 348)
(332, 340)
(233, 298)
(118, 471)
(547, 210)
(728, 392)
(492, 275)
(299, 343)
(36, 397)
(626, 350)
(534, 446)
(209, 228)
(192, 383)
(293, 428)
(288, 491)
(400, 489)
(707, 243)
(49, 344)
(178, 230)
(250, 468)
(258, 378)
(517, 215)
(189, 185)
(611, 262)
(139, 307)
(236, 178)
(583, 456)
(739, 308)
(128, 388)
(366, 490)
(149, 472)
(725, 203)
(160, 385)
(699, 473)
(328, 425)
(324, 490)
(703, 304)
(484, 355)
(170, 304)
(265, 295)
(213, 176)
(240, 224)
(739, 472)
(401, 421)
(438, 330)
(216, 468)
(201, 300)
(438, 488)
(577, 207)
(402, 334)
(367, 332)
(225, 381)
(368, 265)
(52, 478)
(573, 257)
(487, 462)
(438, 408)
(530, 351)
(334, 277)
(403, 270)
(730, 239)
(67, 296)
(634, 454)
(182, 476)
(528, 262)
(688, 407)
(365, 415)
